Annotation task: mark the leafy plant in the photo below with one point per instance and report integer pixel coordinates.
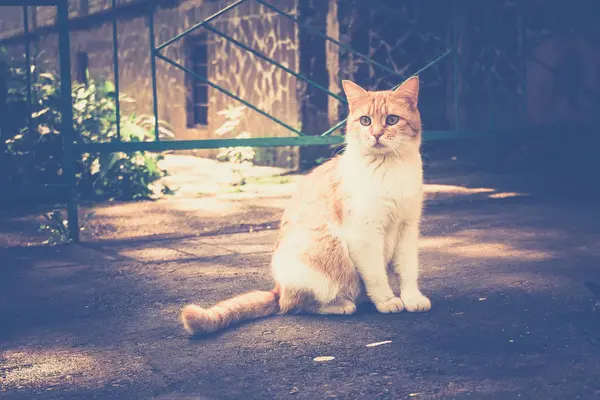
(34, 155)
(116, 175)
(239, 157)
(57, 227)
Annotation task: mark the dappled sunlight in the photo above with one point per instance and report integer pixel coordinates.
(469, 245)
(453, 189)
(498, 251)
(179, 163)
(154, 254)
(204, 206)
(436, 242)
(181, 216)
(518, 235)
(264, 191)
(34, 368)
(199, 177)
(217, 270)
(205, 201)
(203, 248)
(436, 191)
(507, 195)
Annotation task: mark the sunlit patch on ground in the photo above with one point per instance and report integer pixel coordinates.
(437, 191)
(212, 270)
(195, 176)
(208, 248)
(45, 369)
(453, 189)
(506, 195)
(154, 254)
(471, 244)
(495, 250)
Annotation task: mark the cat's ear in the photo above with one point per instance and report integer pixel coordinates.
(352, 90)
(409, 90)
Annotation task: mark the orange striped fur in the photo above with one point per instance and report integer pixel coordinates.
(198, 320)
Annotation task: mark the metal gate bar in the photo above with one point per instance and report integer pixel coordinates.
(115, 42)
(67, 133)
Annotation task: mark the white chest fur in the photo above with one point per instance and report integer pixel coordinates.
(382, 193)
(379, 198)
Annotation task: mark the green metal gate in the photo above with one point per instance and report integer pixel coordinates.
(301, 139)
(74, 149)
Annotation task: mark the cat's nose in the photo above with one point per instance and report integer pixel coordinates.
(377, 135)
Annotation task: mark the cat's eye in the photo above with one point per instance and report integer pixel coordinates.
(364, 120)
(392, 120)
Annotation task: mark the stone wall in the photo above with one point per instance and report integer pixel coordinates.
(236, 70)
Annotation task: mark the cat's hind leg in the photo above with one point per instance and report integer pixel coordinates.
(338, 307)
(315, 274)
(302, 288)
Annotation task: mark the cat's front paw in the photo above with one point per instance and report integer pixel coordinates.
(416, 302)
(393, 305)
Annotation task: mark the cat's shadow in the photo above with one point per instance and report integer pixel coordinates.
(364, 309)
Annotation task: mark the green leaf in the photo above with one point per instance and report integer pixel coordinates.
(109, 87)
(133, 132)
(107, 161)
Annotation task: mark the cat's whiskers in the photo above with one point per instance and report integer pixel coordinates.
(396, 151)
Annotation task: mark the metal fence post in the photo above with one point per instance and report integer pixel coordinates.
(456, 66)
(67, 133)
(115, 33)
(4, 71)
(28, 68)
(523, 52)
(153, 54)
(489, 33)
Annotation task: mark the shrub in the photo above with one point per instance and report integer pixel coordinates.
(33, 156)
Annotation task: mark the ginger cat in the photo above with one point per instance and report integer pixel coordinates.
(350, 231)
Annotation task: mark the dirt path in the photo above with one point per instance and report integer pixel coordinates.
(512, 316)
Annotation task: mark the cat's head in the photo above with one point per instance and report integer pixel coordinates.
(384, 122)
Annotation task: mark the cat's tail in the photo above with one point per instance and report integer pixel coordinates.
(252, 305)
